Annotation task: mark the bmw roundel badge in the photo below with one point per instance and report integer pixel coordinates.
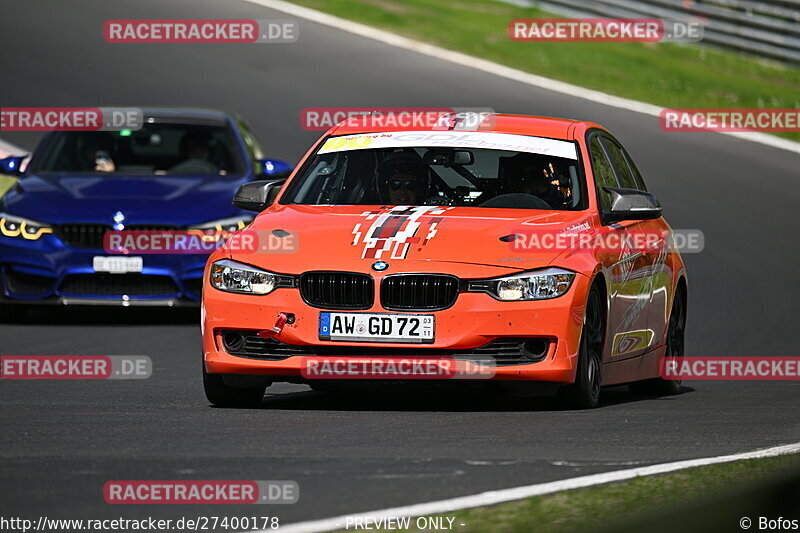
(380, 266)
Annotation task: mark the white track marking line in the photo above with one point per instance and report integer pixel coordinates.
(500, 70)
(528, 491)
(8, 149)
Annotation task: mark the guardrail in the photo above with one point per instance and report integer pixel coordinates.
(766, 28)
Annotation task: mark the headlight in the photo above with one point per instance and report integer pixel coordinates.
(536, 285)
(14, 226)
(228, 225)
(231, 276)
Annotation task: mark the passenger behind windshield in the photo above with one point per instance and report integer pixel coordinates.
(538, 176)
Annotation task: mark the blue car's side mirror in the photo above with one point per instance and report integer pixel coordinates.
(12, 165)
(273, 169)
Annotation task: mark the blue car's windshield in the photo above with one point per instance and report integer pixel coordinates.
(160, 149)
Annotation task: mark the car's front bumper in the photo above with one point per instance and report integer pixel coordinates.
(46, 271)
(473, 321)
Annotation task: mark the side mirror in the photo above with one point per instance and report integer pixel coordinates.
(631, 204)
(257, 195)
(273, 169)
(12, 166)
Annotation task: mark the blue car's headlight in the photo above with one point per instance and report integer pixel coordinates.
(22, 228)
(535, 285)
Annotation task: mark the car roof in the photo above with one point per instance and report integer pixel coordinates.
(554, 128)
(186, 115)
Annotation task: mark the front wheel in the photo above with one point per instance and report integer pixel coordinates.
(585, 392)
(222, 395)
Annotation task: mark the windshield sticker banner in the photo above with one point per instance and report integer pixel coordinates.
(451, 139)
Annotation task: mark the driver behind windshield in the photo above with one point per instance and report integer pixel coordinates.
(196, 150)
(402, 181)
(94, 153)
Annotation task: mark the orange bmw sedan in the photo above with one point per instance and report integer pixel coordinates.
(521, 251)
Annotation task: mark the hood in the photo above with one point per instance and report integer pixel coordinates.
(89, 198)
(354, 237)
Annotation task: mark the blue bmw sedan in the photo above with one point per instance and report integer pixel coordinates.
(179, 171)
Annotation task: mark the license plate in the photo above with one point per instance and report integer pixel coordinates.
(376, 327)
(117, 265)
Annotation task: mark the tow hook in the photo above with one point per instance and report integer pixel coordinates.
(283, 319)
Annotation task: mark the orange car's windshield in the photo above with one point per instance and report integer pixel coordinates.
(439, 176)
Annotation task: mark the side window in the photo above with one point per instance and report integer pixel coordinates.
(250, 141)
(603, 173)
(636, 174)
(624, 172)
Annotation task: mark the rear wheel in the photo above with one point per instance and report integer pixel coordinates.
(585, 392)
(222, 395)
(675, 348)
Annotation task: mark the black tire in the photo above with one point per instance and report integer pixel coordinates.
(222, 395)
(15, 313)
(327, 387)
(675, 348)
(585, 392)
(5, 313)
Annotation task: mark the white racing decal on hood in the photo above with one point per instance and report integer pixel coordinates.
(395, 229)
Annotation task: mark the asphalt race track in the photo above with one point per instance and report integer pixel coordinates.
(61, 440)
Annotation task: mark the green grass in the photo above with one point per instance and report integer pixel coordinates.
(670, 75)
(598, 508)
(6, 182)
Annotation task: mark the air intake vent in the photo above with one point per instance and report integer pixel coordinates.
(83, 235)
(419, 292)
(118, 284)
(91, 235)
(337, 290)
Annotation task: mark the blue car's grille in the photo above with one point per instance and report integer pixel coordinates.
(118, 284)
(82, 235)
(91, 235)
